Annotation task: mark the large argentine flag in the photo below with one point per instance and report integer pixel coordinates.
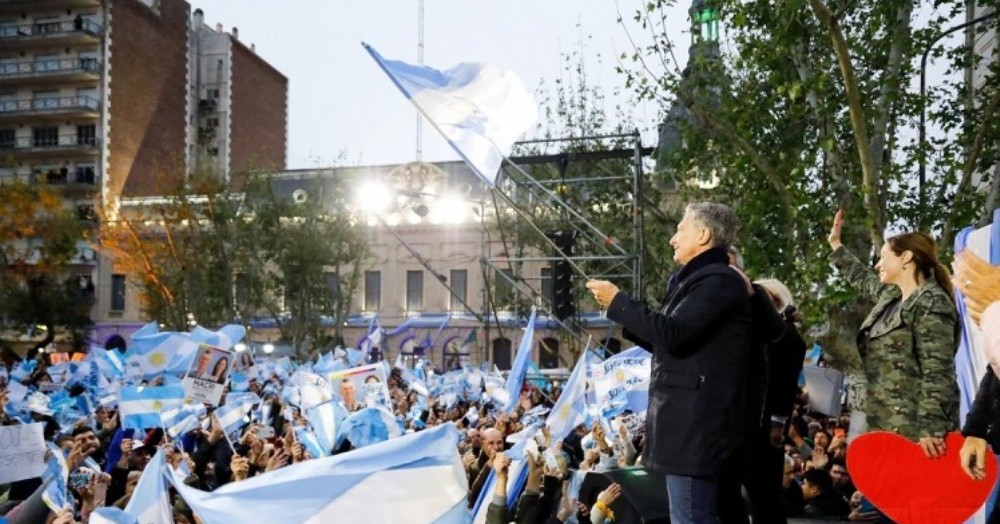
(970, 361)
(415, 479)
(481, 110)
(571, 409)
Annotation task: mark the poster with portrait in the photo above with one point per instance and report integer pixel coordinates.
(206, 379)
(244, 363)
(363, 386)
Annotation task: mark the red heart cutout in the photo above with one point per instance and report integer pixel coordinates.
(909, 488)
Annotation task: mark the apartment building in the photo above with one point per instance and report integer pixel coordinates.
(112, 99)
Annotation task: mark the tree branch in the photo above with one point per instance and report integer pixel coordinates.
(890, 82)
(869, 176)
(968, 169)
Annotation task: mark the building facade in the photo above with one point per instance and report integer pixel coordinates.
(105, 99)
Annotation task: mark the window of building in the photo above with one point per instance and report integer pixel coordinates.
(46, 27)
(546, 283)
(459, 283)
(548, 353)
(502, 353)
(86, 174)
(373, 290)
(46, 63)
(87, 97)
(8, 139)
(414, 290)
(503, 290)
(46, 136)
(117, 292)
(8, 102)
(86, 135)
(45, 100)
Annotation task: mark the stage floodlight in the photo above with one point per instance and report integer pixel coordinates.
(240, 347)
(268, 348)
(374, 197)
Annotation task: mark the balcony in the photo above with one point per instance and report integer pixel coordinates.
(50, 34)
(49, 147)
(50, 71)
(80, 107)
(22, 6)
(81, 182)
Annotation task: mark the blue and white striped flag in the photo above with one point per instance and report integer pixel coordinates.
(239, 382)
(310, 443)
(140, 407)
(622, 382)
(232, 417)
(182, 419)
(325, 419)
(111, 515)
(368, 426)
(417, 478)
(571, 409)
(150, 502)
(480, 109)
(520, 366)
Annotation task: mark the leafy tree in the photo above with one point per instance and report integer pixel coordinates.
(807, 106)
(39, 236)
(213, 255)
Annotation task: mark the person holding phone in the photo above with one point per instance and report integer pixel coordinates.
(908, 341)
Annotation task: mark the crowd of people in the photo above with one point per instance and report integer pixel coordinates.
(727, 425)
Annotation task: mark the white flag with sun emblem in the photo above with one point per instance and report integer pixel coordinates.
(622, 382)
(571, 409)
(141, 406)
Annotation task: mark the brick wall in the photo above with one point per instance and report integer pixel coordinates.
(258, 118)
(148, 96)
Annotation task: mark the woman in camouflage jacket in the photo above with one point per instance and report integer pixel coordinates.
(908, 341)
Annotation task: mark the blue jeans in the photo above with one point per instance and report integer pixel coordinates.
(692, 499)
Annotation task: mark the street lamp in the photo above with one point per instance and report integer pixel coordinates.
(268, 348)
(240, 347)
(922, 170)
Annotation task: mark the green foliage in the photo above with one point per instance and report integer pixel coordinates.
(39, 236)
(802, 114)
(216, 255)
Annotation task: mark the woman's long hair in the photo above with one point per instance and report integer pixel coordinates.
(924, 251)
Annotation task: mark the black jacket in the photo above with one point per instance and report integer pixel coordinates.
(784, 364)
(700, 343)
(767, 326)
(983, 420)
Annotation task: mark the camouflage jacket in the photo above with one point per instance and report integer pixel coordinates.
(909, 356)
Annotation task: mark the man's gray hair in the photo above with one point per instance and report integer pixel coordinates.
(718, 219)
(737, 258)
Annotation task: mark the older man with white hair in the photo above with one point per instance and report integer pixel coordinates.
(700, 342)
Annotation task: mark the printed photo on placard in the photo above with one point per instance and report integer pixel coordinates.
(360, 387)
(244, 361)
(206, 378)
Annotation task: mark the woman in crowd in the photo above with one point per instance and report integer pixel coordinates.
(907, 343)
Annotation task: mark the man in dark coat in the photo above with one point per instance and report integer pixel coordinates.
(700, 342)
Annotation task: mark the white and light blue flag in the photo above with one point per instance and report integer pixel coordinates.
(150, 502)
(415, 479)
(140, 407)
(480, 109)
(520, 366)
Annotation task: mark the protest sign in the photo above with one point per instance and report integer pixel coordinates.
(367, 381)
(206, 379)
(244, 361)
(22, 452)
